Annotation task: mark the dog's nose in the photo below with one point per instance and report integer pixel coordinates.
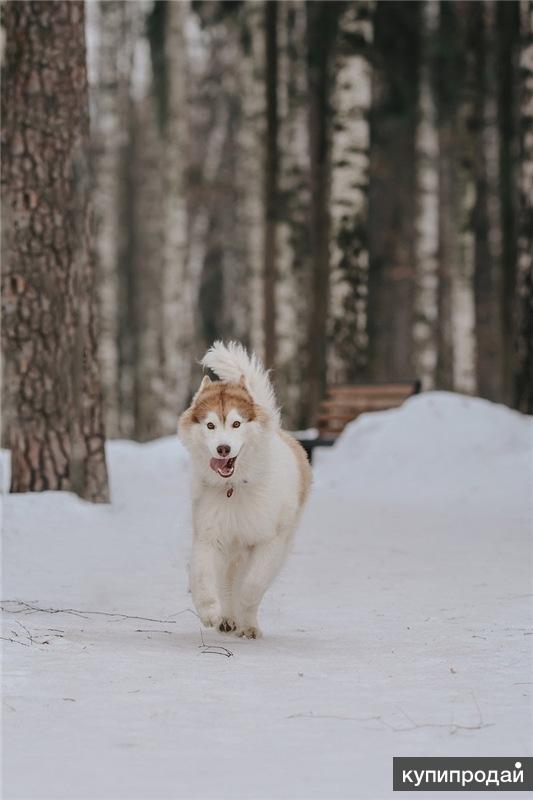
(223, 450)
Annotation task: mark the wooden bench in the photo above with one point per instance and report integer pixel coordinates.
(344, 403)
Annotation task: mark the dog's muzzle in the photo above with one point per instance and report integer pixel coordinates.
(224, 466)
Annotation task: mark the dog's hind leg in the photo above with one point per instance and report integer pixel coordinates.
(264, 562)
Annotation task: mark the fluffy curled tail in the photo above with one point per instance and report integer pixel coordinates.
(231, 362)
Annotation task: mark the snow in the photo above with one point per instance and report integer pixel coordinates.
(401, 624)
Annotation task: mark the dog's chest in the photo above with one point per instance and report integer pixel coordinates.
(236, 513)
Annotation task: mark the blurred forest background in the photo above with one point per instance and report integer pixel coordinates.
(345, 187)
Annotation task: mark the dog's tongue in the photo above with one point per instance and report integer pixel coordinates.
(218, 463)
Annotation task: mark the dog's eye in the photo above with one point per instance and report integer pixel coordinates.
(211, 426)
(236, 424)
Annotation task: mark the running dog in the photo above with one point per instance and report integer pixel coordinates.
(250, 480)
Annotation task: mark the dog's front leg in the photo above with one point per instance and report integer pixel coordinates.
(207, 566)
(263, 564)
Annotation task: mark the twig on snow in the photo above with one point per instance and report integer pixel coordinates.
(184, 611)
(28, 608)
(27, 632)
(150, 630)
(14, 641)
(215, 649)
(452, 726)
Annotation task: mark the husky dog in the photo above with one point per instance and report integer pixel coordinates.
(250, 480)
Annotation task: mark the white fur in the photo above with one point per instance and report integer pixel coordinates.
(231, 362)
(240, 542)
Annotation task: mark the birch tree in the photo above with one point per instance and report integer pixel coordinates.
(488, 269)
(55, 424)
(177, 309)
(271, 197)
(251, 142)
(458, 142)
(111, 26)
(293, 253)
(217, 241)
(159, 289)
(226, 162)
(448, 90)
(142, 381)
(425, 335)
(351, 96)
(463, 314)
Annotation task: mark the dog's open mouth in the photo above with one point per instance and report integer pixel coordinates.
(224, 466)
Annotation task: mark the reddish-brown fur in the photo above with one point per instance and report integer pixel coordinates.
(221, 397)
(302, 461)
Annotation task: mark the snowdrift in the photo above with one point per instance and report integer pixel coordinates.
(436, 446)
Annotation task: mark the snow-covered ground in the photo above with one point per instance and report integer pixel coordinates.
(401, 624)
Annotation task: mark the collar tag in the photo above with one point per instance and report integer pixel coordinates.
(229, 492)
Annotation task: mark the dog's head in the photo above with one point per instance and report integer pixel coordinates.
(220, 421)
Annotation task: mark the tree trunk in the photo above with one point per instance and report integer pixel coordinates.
(448, 71)
(55, 420)
(488, 268)
(294, 254)
(218, 258)
(458, 144)
(251, 147)
(349, 194)
(110, 98)
(508, 27)
(425, 333)
(141, 334)
(159, 289)
(177, 309)
(523, 379)
(208, 205)
(225, 167)
(392, 194)
(321, 26)
(464, 35)
(271, 181)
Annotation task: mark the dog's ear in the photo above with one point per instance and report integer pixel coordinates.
(206, 381)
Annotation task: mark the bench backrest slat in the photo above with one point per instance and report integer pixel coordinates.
(345, 402)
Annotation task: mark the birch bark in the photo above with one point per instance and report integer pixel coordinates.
(252, 163)
(349, 193)
(425, 335)
(110, 100)
(177, 309)
(294, 256)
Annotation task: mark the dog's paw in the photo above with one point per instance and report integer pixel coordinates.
(211, 615)
(250, 633)
(227, 625)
